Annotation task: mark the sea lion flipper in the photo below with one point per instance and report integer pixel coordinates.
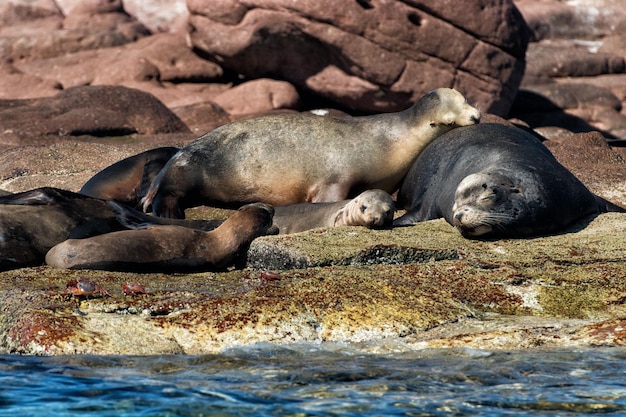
(129, 217)
(37, 197)
(409, 218)
(605, 206)
(150, 170)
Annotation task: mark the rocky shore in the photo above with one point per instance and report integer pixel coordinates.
(85, 84)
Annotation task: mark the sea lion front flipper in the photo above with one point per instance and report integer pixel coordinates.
(409, 218)
(150, 170)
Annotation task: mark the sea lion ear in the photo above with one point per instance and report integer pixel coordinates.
(338, 217)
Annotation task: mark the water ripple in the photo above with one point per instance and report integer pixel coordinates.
(319, 380)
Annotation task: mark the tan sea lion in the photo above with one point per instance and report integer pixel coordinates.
(32, 222)
(166, 248)
(127, 180)
(495, 181)
(310, 158)
(371, 208)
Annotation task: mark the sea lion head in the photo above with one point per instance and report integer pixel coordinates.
(249, 222)
(487, 204)
(371, 208)
(449, 109)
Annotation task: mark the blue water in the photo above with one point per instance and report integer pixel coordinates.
(310, 380)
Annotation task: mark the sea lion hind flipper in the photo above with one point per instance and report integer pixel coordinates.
(605, 206)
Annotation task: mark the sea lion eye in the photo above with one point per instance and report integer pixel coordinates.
(484, 186)
(363, 208)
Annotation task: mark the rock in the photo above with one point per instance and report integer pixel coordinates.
(577, 107)
(258, 97)
(580, 42)
(586, 19)
(570, 58)
(68, 162)
(159, 15)
(203, 117)
(564, 290)
(162, 57)
(94, 110)
(601, 168)
(55, 43)
(15, 84)
(363, 55)
(24, 17)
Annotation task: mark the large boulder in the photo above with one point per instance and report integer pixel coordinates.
(89, 110)
(370, 55)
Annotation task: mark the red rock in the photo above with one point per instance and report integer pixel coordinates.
(159, 15)
(163, 57)
(570, 59)
(97, 111)
(202, 117)
(387, 54)
(258, 96)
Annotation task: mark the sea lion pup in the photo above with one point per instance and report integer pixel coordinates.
(166, 248)
(128, 180)
(33, 221)
(371, 208)
(294, 158)
(493, 181)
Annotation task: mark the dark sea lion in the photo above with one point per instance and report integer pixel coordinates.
(32, 222)
(493, 181)
(310, 158)
(371, 208)
(128, 180)
(166, 248)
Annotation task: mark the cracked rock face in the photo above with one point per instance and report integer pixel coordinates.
(370, 55)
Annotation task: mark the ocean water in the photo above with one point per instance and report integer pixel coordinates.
(319, 380)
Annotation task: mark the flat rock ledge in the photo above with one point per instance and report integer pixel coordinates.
(382, 290)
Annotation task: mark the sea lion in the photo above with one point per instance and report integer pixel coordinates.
(371, 208)
(494, 181)
(294, 158)
(33, 221)
(166, 248)
(127, 180)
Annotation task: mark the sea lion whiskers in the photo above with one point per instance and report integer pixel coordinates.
(482, 223)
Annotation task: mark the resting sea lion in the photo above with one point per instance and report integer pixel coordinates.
(294, 158)
(32, 222)
(371, 208)
(128, 179)
(491, 180)
(166, 248)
